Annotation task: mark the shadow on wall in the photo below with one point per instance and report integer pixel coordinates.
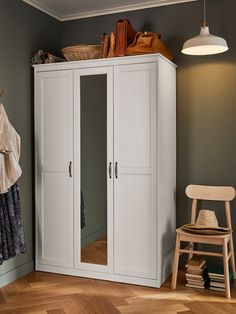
(167, 251)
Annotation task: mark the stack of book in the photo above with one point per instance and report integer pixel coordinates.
(196, 273)
(217, 279)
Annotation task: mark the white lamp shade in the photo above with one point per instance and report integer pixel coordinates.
(205, 44)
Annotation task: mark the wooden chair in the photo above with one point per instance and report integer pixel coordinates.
(210, 193)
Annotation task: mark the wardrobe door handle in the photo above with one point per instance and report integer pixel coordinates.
(110, 170)
(70, 167)
(116, 170)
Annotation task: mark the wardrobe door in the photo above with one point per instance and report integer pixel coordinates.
(135, 170)
(54, 168)
(93, 143)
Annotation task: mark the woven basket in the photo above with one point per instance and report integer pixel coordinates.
(81, 52)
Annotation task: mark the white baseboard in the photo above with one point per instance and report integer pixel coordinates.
(16, 273)
(99, 275)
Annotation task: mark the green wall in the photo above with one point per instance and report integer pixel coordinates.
(23, 30)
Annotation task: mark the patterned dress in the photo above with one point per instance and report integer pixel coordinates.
(12, 239)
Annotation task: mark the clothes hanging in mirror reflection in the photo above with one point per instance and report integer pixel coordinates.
(82, 219)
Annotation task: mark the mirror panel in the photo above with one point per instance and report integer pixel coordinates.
(93, 169)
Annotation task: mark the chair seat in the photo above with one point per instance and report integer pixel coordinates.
(202, 238)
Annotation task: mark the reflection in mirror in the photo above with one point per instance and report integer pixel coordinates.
(93, 169)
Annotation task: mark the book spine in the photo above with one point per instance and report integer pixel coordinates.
(193, 286)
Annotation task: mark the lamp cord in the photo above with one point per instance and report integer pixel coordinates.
(204, 21)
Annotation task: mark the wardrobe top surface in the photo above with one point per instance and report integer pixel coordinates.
(101, 62)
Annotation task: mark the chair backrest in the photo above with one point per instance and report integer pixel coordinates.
(211, 193)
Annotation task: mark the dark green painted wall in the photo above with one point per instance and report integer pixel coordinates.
(206, 89)
(23, 30)
(206, 92)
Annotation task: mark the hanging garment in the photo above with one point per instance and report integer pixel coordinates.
(82, 218)
(12, 240)
(10, 170)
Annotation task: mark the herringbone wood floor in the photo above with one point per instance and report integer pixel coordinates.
(44, 293)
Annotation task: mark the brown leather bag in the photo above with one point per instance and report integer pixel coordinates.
(148, 42)
(125, 34)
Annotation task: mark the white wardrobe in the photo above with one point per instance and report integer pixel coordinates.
(105, 168)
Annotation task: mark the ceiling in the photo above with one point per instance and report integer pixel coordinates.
(65, 10)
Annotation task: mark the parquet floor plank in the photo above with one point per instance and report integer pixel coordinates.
(212, 308)
(151, 306)
(2, 299)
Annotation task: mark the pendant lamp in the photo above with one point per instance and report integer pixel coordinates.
(205, 43)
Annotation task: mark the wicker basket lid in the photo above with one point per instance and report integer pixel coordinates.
(82, 47)
(81, 52)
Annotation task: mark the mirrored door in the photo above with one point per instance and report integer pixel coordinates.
(95, 168)
(93, 165)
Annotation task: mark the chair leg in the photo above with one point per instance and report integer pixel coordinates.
(226, 269)
(176, 262)
(232, 258)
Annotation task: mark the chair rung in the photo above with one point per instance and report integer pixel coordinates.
(200, 253)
